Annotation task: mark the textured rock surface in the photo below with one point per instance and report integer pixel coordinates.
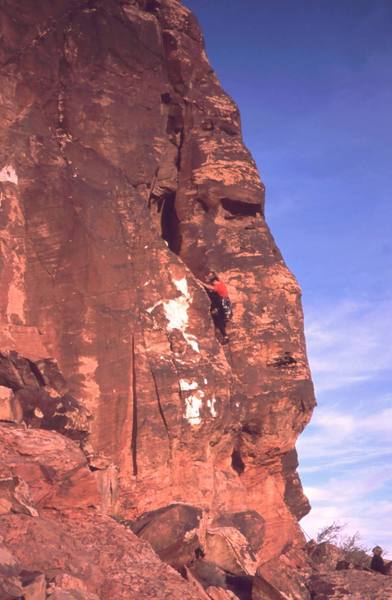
(351, 585)
(325, 556)
(41, 469)
(53, 540)
(123, 178)
(344, 575)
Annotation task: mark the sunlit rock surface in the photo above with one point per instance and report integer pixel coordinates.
(123, 179)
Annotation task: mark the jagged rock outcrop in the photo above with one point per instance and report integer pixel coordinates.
(123, 179)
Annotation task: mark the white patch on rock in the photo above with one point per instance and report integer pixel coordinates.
(8, 174)
(176, 312)
(182, 286)
(193, 405)
(211, 405)
(191, 339)
(186, 385)
(193, 402)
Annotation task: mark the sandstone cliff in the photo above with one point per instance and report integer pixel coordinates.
(123, 180)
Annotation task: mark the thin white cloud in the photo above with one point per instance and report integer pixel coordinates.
(335, 425)
(338, 439)
(346, 452)
(349, 343)
(360, 482)
(348, 500)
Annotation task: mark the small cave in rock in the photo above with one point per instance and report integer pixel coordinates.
(37, 373)
(165, 98)
(199, 553)
(152, 5)
(240, 585)
(236, 208)
(252, 429)
(170, 223)
(236, 462)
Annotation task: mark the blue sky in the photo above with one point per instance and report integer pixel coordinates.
(313, 81)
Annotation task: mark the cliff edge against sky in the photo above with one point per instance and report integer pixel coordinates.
(124, 179)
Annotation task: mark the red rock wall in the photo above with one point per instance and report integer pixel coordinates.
(54, 545)
(123, 178)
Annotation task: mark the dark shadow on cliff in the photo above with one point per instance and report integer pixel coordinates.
(170, 223)
(237, 208)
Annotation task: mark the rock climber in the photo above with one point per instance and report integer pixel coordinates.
(221, 309)
(377, 563)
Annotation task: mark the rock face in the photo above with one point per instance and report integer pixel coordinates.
(54, 544)
(123, 179)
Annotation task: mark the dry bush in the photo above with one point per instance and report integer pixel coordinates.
(354, 550)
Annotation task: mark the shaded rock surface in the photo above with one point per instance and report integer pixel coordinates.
(351, 585)
(36, 393)
(344, 575)
(123, 179)
(325, 556)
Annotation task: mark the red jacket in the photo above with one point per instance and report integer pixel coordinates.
(220, 289)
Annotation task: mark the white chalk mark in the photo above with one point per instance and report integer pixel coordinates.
(194, 401)
(211, 405)
(193, 405)
(182, 286)
(187, 385)
(191, 339)
(8, 174)
(176, 312)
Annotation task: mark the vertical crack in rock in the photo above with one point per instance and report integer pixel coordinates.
(170, 223)
(160, 407)
(236, 462)
(134, 410)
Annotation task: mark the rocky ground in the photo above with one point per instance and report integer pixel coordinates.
(351, 585)
(343, 575)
